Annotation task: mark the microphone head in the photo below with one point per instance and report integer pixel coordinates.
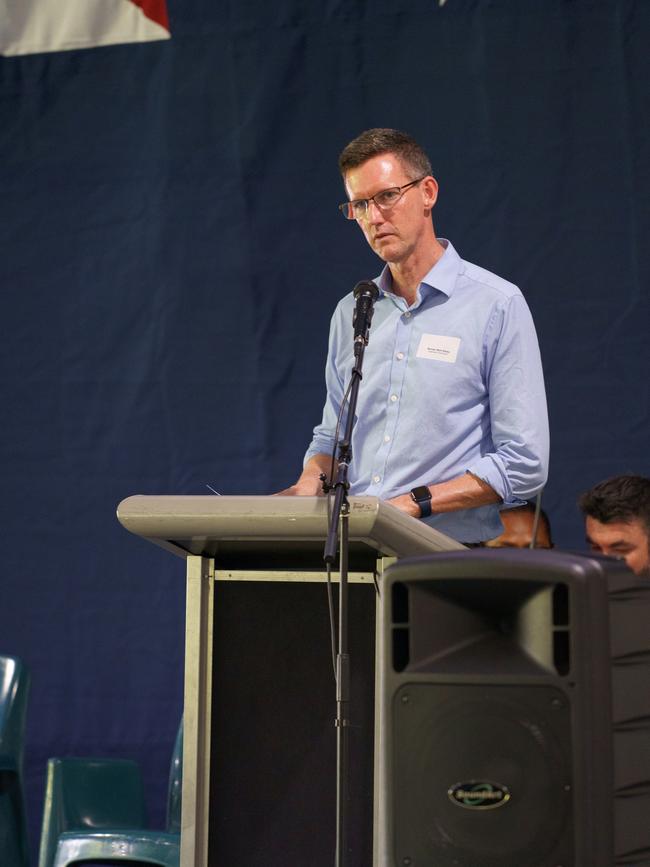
(367, 289)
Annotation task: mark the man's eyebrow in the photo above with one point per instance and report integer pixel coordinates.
(618, 544)
(365, 198)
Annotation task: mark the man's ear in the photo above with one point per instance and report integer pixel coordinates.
(429, 187)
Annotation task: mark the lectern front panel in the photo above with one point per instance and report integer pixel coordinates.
(273, 745)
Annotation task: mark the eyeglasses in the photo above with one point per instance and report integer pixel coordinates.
(385, 200)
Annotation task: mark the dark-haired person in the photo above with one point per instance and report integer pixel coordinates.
(451, 418)
(617, 520)
(518, 527)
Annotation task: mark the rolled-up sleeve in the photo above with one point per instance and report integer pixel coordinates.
(323, 438)
(518, 467)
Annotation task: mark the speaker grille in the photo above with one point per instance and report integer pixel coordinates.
(517, 738)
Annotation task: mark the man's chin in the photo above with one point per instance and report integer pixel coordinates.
(389, 252)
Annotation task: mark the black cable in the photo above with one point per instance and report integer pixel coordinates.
(328, 482)
(538, 510)
(330, 604)
(338, 429)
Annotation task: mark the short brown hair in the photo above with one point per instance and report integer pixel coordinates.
(374, 142)
(622, 498)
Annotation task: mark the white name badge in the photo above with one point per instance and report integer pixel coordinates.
(438, 347)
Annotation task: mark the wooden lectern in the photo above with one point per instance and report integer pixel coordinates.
(248, 542)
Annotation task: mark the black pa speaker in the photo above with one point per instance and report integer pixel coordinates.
(516, 711)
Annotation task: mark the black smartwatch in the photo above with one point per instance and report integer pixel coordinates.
(422, 496)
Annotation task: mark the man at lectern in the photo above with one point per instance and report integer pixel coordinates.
(451, 414)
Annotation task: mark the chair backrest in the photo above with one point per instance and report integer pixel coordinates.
(14, 693)
(89, 795)
(174, 792)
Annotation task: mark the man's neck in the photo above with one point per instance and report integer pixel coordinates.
(408, 274)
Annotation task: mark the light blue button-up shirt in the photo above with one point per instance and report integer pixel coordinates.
(451, 384)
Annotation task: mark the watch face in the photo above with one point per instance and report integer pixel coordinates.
(421, 493)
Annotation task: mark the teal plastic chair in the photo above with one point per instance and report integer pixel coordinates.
(14, 692)
(94, 811)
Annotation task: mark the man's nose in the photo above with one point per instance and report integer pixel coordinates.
(374, 214)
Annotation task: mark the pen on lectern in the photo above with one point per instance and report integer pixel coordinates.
(213, 490)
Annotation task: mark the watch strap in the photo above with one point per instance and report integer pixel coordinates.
(422, 496)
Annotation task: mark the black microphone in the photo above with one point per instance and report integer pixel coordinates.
(366, 294)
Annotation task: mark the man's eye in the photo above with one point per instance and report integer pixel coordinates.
(387, 198)
(359, 207)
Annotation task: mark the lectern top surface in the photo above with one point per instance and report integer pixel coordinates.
(257, 525)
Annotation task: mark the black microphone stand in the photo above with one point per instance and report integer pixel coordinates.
(341, 512)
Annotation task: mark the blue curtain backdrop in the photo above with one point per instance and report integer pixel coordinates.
(171, 252)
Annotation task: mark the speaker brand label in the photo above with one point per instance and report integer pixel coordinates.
(478, 795)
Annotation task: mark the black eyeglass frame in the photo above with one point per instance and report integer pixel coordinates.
(346, 208)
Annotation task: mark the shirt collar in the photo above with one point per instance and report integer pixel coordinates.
(442, 277)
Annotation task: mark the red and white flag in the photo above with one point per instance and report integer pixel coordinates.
(35, 26)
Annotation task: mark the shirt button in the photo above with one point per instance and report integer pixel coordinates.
(407, 315)
(393, 398)
(386, 439)
(376, 479)
(399, 356)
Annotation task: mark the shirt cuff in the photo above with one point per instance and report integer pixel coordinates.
(320, 445)
(491, 470)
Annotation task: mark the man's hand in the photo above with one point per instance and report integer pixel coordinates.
(305, 487)
(406, 503)
(309, 484)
